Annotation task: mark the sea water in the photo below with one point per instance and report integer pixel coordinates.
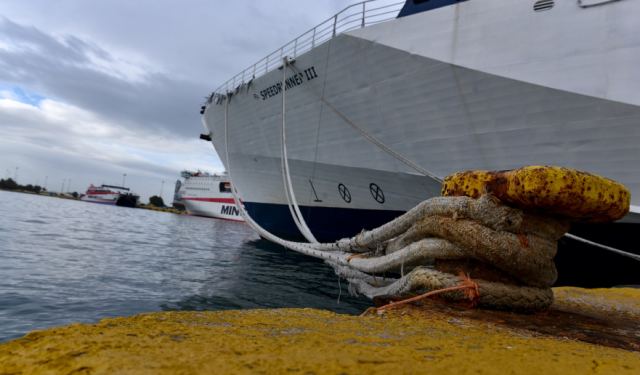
(65, 261)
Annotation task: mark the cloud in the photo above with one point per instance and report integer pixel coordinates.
(88, 148)
(75, 71)
(144, 63)
(160, 60)
(92, 90)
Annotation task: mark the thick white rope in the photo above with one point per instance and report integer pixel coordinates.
(339, 254)
(333, 253)
(292, 202)
(321, 251)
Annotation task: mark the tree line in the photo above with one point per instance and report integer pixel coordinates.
(10, 184)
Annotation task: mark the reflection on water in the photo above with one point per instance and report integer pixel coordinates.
(67, 261)
(263, 274)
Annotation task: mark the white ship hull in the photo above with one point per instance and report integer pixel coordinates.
(478, 85)
(212, 208)
(110, 195)
(108, 199)
(205, 196)
(372, 113)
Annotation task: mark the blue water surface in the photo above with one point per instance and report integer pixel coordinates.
(64, 261)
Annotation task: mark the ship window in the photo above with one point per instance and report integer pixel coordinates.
(225, 187)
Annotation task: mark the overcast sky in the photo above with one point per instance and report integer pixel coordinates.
(92, 90)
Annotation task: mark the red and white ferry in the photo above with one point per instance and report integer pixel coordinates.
(204, 194)
(100, 194)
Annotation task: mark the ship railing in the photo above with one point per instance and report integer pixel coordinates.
(355, 16)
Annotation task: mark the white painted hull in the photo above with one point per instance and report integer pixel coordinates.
(203, 196)
(109, 199)
(218, 210)
(479, 85)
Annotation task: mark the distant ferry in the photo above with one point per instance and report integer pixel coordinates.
(100, 194)
(204, 194)
(108, 194)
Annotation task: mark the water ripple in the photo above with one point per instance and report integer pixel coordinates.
(65, 261)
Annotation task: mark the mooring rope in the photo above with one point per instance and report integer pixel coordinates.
(327, 252)
(425, 250)
(292, 203)
(471, 288)
(509, 252)
(345, 244)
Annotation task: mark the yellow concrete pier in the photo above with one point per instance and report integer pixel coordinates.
(585, 332)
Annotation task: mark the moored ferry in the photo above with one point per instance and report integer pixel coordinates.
(359, 119)
(204, 194)
(110, 195)
(100, 194)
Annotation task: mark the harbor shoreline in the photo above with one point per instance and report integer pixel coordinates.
(144, 206)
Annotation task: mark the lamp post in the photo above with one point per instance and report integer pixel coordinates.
(124, 175)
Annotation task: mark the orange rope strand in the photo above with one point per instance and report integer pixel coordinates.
(472, 291)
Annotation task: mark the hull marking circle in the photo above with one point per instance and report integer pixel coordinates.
(344, 193)
(376, 193)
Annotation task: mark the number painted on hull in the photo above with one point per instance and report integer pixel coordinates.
(314, 192)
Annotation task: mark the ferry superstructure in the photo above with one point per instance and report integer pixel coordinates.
(204, 194)
(100, 194)
(110, 195)
(374, 106)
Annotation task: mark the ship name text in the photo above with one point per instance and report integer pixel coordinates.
(290, 82)
(229, 210)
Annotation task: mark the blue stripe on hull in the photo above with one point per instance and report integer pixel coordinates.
(326, 223)
(578, 264)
